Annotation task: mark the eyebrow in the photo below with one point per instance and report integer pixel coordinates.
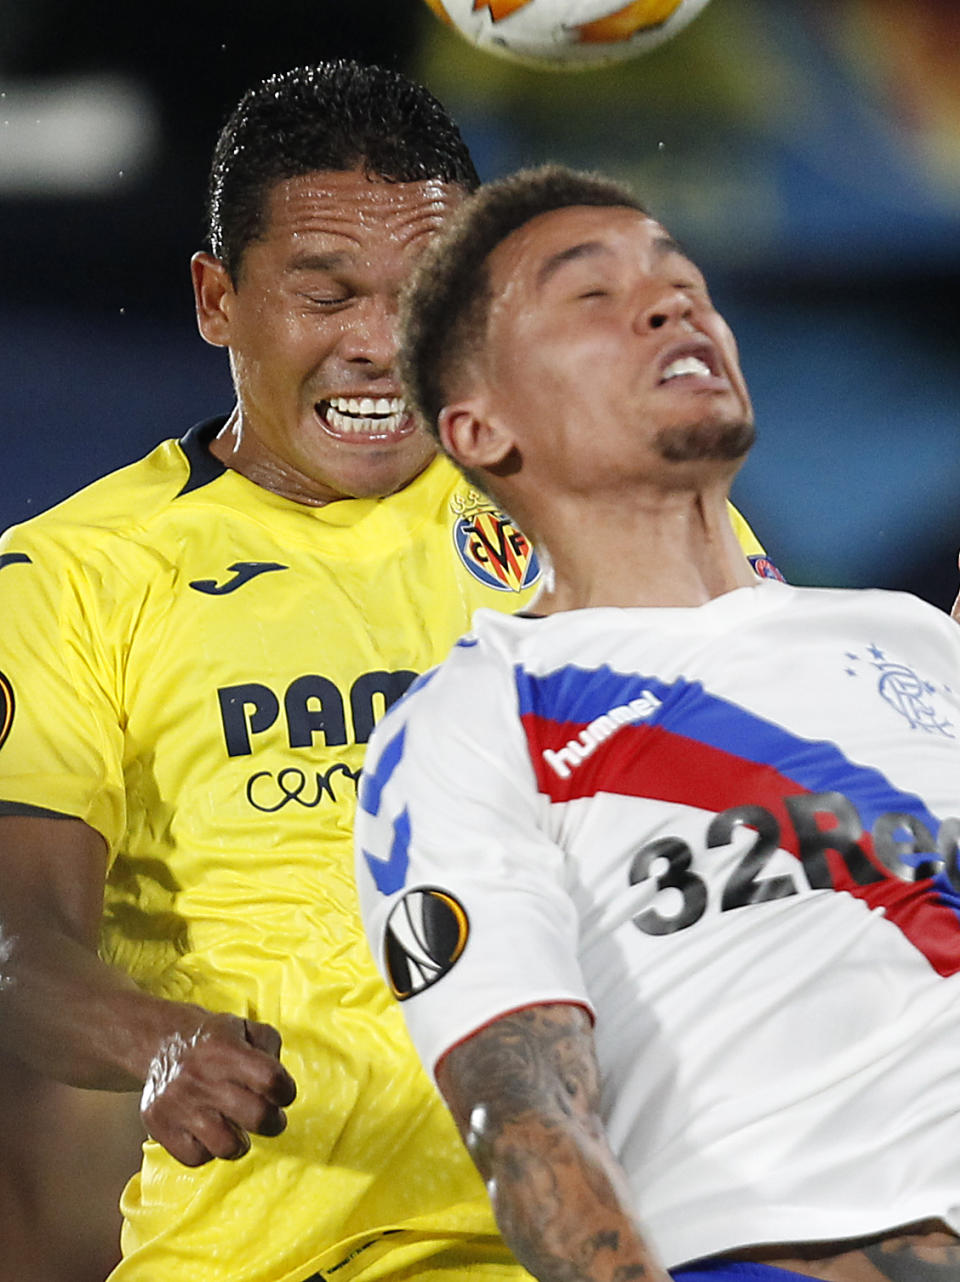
(664, 246)
(312, 262)
(585, 249)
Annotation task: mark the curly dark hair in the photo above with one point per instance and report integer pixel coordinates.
(334, 116)
(444, 308)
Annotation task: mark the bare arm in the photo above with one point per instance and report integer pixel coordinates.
(525, 1094)
(208, 1079)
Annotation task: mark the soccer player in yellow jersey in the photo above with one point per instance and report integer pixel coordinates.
(194, 652)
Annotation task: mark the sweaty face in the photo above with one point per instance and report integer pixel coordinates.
(606, 353)
(311, 332)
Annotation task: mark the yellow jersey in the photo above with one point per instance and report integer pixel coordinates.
(193, 665)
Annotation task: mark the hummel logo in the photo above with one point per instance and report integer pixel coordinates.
(244, 571)
(14, 558)
(565, 760)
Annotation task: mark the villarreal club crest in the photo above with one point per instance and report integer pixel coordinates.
(491, 547)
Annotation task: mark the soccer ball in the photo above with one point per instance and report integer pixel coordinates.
(567, 34)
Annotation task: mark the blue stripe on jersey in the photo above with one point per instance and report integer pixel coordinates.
(734, 1271)
(579, 695)
(372, 783)
(390, 874)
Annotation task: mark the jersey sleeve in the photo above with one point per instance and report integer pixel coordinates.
(463, 895)
(61, 737)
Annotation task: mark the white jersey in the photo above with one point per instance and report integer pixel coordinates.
(729, 832)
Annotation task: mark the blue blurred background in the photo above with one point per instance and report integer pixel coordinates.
(807, 152)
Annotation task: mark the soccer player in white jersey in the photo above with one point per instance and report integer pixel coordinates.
(664, 873)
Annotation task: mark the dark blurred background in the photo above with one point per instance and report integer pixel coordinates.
(806, 151)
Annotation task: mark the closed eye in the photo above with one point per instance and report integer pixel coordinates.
(326, 300)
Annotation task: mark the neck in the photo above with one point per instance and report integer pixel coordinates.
(240, 450)
(674, 548)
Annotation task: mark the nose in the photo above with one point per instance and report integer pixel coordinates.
(671, 304)
(370, 334)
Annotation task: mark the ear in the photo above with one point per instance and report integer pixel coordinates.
(212, 292)
(471, 437)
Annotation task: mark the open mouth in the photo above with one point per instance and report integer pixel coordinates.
(365, 418)
(694, 363)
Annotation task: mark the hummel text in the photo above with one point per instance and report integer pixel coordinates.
(563, 761)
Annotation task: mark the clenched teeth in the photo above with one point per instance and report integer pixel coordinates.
(379, 415)
(686, 365)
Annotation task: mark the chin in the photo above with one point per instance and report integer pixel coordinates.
(709, 439)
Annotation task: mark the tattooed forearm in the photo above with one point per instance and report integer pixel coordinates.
(525, 1093)
(927, 1251)
(912, 1259)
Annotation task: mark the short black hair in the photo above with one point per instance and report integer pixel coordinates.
(445, 305)
(334, 116)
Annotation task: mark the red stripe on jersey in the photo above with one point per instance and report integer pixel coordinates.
(654, 763)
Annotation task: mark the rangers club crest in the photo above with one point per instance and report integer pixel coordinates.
(491, 547)
(907, 693)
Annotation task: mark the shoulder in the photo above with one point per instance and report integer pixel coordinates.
(472, 688)
(865, 601)
(116, 503)
(113, 517)
(440, 687)
(898, 614)
(914, 611)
